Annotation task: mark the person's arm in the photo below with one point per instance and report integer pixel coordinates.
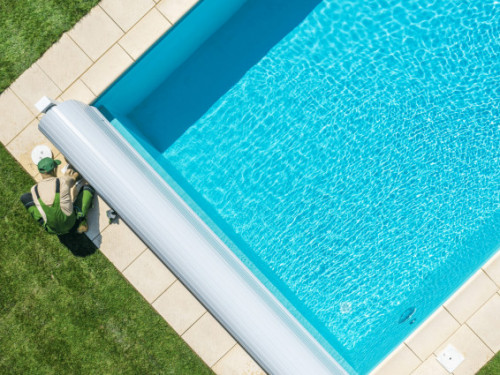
(66, 204)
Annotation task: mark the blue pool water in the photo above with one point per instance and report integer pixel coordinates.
(348, 151)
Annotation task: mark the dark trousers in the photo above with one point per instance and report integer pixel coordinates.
(27, 200)
(29, 204)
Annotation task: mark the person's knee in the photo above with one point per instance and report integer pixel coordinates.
(89, 189)
(27, 200)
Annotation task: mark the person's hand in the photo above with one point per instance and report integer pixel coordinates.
(72, 173)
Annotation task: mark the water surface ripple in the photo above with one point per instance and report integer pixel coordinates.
(359, 160)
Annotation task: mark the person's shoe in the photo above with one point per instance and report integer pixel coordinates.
(83, 227)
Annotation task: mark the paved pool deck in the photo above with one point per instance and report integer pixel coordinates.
(80, 66)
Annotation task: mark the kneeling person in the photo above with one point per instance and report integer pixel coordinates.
(49, 201)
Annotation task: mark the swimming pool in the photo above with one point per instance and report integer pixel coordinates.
(347, 153)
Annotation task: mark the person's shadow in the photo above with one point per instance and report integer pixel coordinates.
(79, 244)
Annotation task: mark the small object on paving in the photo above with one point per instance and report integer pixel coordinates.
(450, 358)
(40, 152)
(112, 215)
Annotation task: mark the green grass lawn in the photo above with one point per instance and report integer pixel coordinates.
(61, 313)
(29, 27)
(64, 314)
(492, 367)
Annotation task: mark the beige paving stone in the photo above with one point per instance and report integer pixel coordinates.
(96, 218)
(492, 268)
(208, 339)
(149, 275)
(106, 69)
(144, 34)
(78, 91)
(432, 333)
(64, 62)
(475, 292)
(126, 12)
(120, 245)
(32, 85)
(486, 323)
(175, 9)
(402, 361)
(430, 367)
(95, 33)
(15, 116)
(475, 352)
(21, 146)
(179, 307)
(237, 362)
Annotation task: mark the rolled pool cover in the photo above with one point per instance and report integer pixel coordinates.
(168, 226)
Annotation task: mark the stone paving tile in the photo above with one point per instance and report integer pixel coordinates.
(126, 12)
(402, 361)
(95, 33)
(15, 116)
(430, 367)
(486, 323)
(78, 91)
(475, 352)
(32, 85)
(175, 9)
(149, 275)
(179, 307)
(120, 244)
(492, 268)
(208, 339)
(21, 146)
(476, 291)
(144, 34)
(64, 62)
(237, 362)
(96, 218)
(432, 333)
(106, 69)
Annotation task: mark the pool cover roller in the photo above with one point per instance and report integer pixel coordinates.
(168, 226)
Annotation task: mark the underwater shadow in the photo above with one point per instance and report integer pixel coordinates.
(216, 67)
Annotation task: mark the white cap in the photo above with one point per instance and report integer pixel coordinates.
(40, 152)
(44, 104)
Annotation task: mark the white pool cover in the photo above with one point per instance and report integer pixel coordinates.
(258, 321)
